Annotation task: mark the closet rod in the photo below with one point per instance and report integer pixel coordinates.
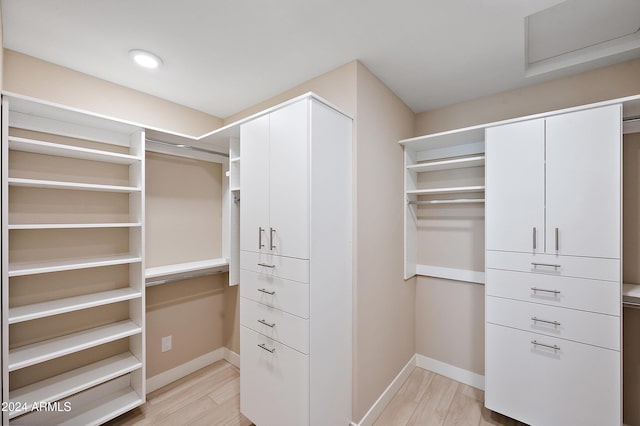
(454, 201)
(181, 278)
(193, 148)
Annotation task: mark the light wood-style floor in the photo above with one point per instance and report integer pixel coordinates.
(211, 396)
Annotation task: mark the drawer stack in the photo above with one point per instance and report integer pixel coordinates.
(552, 334)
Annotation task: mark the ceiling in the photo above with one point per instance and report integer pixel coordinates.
(222, 56)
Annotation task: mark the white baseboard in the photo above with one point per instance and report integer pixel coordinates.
(232, 357)
(458, 374)
(166, 377)
(378, 407)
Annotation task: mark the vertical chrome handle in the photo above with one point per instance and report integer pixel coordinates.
(260, 231)
(271, 231)
(268, 324)
(534, 237)
(557, 241)
(554, 347)
(264, 346)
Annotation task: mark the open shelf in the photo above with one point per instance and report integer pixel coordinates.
(234, 159)
(36, 353)
(631, 294)
(450, 273)
(74, 225)
(16, 270)
(92, 407)
(52, 184)
(70, 304)
(451, 190)
(48, 148)
(169, 273)
(452, 201)
(449, 164)
(75, 381)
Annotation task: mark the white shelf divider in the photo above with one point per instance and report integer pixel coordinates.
(450, 164)
(74, 225)
(52, 184)
(450, 190)
(36, 353)
(48, 148)
(70, 304)
(21, 269)
(74, 381)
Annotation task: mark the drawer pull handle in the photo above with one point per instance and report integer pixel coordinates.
(535, 289)
(266, 265)
(534, 238)
(535, 319)
(271, 245)
(261, 321)
(557, 240)
(264, 346)
(554, 347)
(264, 290)
(550, 265)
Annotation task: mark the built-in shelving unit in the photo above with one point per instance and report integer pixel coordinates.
(434, 177)
(48, 151)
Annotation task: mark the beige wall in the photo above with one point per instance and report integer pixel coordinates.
(383, 302)
(450, 314)
(601, 84)
(27, 75)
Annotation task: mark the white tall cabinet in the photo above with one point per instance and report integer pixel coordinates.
(553, 277)
(295, 265)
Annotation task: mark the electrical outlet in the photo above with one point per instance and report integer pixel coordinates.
(166, 343)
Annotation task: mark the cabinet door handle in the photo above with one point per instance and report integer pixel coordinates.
(266, 265)
(534, 237)
(261, 321)
(554, 347)
(535, 289)
(536, 319)
(271, 231)
(264, 346)
(260, 231)
(265, 291)
(557, 241)
(550, 265)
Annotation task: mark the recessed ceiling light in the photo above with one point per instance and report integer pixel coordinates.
(145, 59)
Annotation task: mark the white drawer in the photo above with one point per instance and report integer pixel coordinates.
(580, 326)
(289, 296)
(274, 386)
(568, 292)
(279, 325)
(566, 266)
(574, 385)
(276, 266)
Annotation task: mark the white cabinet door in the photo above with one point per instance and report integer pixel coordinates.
(289, 181)
(583, 183)
(254, 181)
(515, 187)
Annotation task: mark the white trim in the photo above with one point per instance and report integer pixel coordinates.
(458, 374)
(231, 357)
(169, 376)
(385, 398)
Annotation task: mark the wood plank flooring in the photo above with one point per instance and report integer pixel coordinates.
(211, 396)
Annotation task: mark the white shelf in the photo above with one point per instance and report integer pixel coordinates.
(48, 148)
(449, 138)
(452, 201)
(36, 353)
(94, 412)
(451, 190)
(74, 225)
(70, 304)
(451, 273)
(51, 184)
(72, 382)
(17, 270)
(234, 159)
(631, 293)
(456, 163)
(234, 188)
(169, 273)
